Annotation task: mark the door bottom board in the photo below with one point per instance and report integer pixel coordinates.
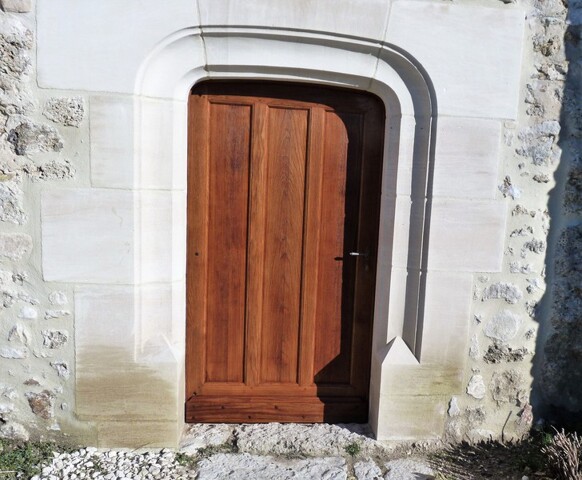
(256, 409)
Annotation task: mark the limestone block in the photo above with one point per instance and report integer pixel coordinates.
(408, 220)
(412, 380)
(466, 236)
(466, 158)
(162, 216)
(475, 66)
(87, 235)
(118, 160)
(240, 52)
(112, 141)
(113, 381)
(359, 18)
(447, 310)
(406, 417)
(136, 434)
(18, 6)
(82, 53)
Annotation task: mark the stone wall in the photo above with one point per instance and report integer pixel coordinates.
(43, 138)
(525, 334)
(525, 339)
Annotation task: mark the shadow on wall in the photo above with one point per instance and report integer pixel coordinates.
(557, 369)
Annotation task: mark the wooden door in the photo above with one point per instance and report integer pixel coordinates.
(283, 205)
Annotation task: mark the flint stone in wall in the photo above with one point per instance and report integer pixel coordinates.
(476, 387)
(17, 6)
(51, 314)
(53, 170)
(14, 352)
(506, 291)
(15, 65)
(474, 350)
(538, 141)
(28, 313)
(42, 404)
(535, 246)
(15, 42)
(516, 267)
(506, 387)
(454, 409)
(15, 246)
(6, 408)
(503, 326)
(508, 189)
(18, 334)
(498, 353)
(14, 431)
(28, 137)
(11, 209)
(62, 369)
(65, 111)
(54, 338)
(58, 298)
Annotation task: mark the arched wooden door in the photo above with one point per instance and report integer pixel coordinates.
(283, 205)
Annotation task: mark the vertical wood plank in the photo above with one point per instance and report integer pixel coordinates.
(287, 132)
(197, 235)
(313, 221)
(228, 160)
(256, 244)
(340, 205)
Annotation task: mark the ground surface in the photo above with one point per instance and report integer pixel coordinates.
(293, 451)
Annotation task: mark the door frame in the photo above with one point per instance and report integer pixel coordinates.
(407, 94)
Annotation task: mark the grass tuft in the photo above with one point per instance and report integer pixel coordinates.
(23, 460)
(353, 449)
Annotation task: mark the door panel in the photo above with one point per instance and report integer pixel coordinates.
(285, 204)
(227, 241)
(284, 182)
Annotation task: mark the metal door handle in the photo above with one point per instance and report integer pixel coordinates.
(358, 254)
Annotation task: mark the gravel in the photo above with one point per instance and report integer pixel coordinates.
(93, 463)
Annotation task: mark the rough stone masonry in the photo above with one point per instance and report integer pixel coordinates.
(525, 338)
(40, 138)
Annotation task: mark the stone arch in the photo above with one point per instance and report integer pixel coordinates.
(191, 55)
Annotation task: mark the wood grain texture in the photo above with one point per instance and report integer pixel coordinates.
(228, 165)
(284, 181)
(287, 140)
